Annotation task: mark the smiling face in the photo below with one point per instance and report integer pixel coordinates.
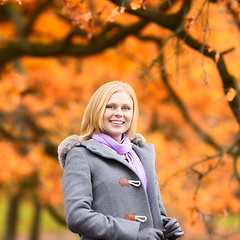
(118, 115)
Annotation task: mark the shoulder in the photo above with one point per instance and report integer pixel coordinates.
(66, 145)
(75, 141)
(140, 142)
(75, 145)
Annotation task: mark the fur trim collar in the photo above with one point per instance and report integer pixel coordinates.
(74, 140)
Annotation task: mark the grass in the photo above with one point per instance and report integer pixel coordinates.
(231, 221)
(49, 225)
(3, 209)
(25, 215)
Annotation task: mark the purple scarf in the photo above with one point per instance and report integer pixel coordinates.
(124, 147)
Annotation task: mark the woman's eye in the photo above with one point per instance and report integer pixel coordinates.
(127, 108)
(110, 106)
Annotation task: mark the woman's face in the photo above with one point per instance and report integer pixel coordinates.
(118, 115)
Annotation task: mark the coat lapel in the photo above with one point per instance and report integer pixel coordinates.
(106, 152)
(147, 158)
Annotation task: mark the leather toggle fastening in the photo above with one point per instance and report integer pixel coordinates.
(127, 182)
(133, 217)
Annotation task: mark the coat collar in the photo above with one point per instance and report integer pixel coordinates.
(74, 141)
(104, 151)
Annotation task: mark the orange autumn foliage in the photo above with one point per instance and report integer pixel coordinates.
(45, 103)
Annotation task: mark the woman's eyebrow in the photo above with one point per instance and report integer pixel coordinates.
(121, 103)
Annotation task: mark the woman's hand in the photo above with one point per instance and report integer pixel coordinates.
(172, 227)
(150, 234)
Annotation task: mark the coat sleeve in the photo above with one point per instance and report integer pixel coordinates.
(78, 197)
(160, 202)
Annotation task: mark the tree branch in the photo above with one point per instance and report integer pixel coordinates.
(207, 138)
(220, 154)
(228, 80)
(169, 21)
(98, 44)
(172, 22)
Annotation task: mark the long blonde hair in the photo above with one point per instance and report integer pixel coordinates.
(92, 120)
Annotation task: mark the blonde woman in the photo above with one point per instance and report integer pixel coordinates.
(110, 185)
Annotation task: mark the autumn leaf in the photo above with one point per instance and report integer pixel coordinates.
(85, 20)
(190, 20)
(99, 12)
(217, 56)
(231, 94)
(115, 13)
(135, 4)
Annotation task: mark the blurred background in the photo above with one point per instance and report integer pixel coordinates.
(181, 57)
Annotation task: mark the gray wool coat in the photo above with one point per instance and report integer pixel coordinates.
(103, 195)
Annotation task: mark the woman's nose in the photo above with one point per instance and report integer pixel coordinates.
(118, 112)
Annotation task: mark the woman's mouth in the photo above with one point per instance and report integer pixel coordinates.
(117, 122)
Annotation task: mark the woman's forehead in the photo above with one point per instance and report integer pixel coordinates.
(121, 97)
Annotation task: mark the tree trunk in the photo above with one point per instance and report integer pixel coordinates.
(12, 216)
(36, 221)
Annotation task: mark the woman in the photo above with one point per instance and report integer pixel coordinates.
(110, 186)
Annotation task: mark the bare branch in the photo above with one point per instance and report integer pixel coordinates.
(215, 166)
(204, 42)
(227, 51)
(220, 154)
(208, 139)
(164, 42)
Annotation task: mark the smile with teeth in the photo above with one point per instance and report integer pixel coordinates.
(117, 122)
